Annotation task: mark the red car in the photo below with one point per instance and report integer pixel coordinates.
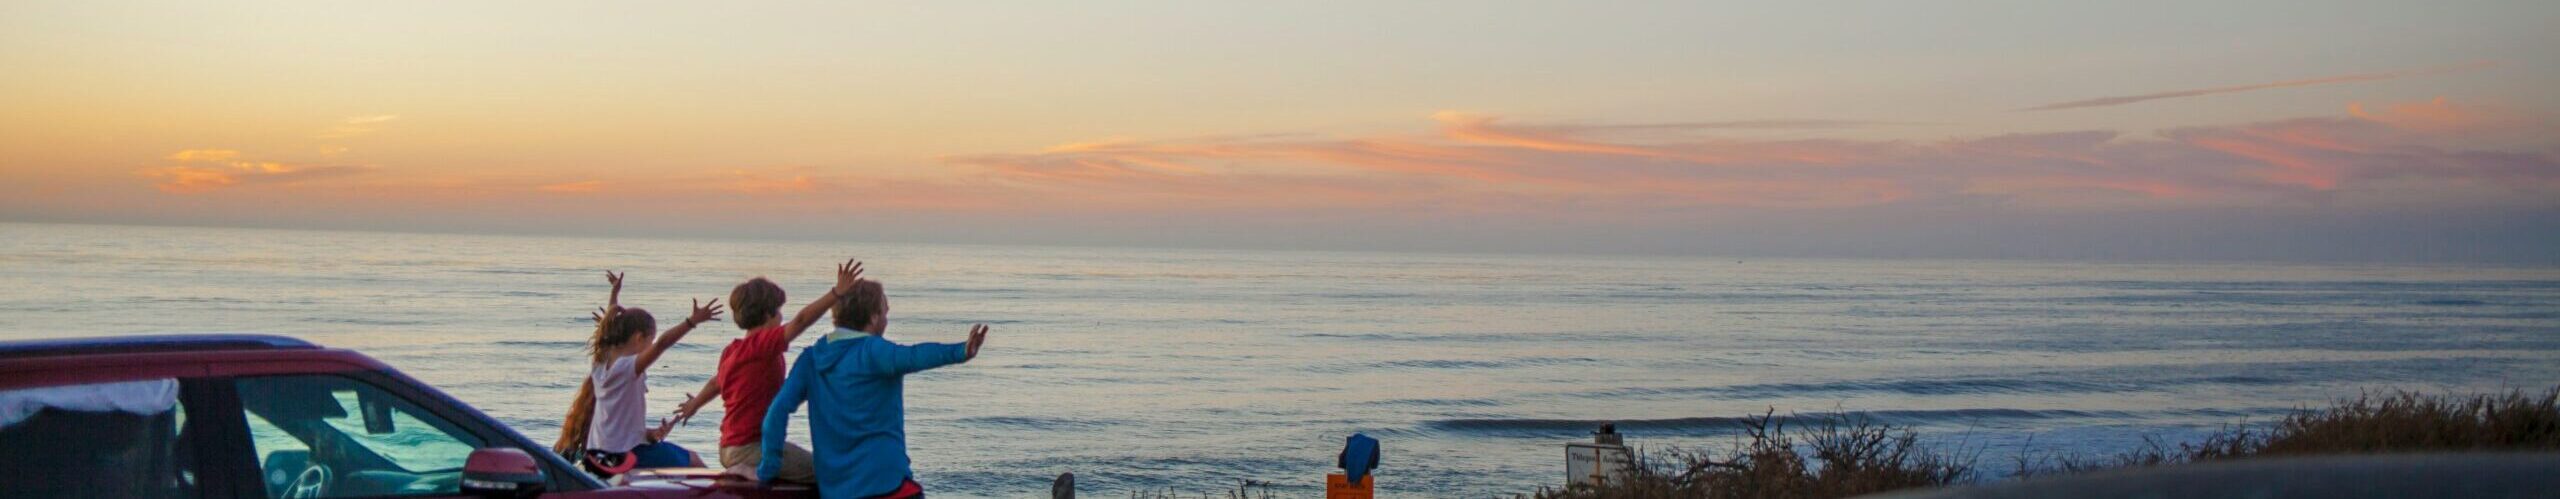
(225, 416)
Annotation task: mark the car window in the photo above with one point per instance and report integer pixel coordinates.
(119, 439)
(330, 436)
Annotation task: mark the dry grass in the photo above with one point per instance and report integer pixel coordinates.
(2405, 422)
(1833, 455)
(1245, 489)
(1839, 456)
(2368, 424)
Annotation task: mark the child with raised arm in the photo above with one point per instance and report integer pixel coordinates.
(626, 343)
(855, 384)
(751, 370)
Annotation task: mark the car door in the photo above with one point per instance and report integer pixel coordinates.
(107, 438)
(334, 435)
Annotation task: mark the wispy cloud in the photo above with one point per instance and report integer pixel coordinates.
(753, 182)
(2331, 80)
(1772, 124)
(1484, 161)
(204, 170)
(579, 187)
(2443, 116)
(355, 126)
(1477, 164)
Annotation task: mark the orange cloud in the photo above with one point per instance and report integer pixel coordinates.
(205, 170)
(579, 187)
(1480, 129)
(187, 179)
(1479, 164)
(2442, 116)
(1582, 139)
(748, 182)
(203, 155)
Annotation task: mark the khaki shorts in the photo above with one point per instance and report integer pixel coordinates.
(797, 465)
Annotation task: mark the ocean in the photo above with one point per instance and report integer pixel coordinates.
(1196, 369)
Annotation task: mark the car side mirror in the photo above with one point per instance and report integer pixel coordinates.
(377, 413)
(502, 472)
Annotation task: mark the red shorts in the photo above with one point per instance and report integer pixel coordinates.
(906, 490)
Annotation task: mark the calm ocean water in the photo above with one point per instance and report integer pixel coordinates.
(1193, 369)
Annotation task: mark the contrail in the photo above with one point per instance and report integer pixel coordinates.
(2129, 99)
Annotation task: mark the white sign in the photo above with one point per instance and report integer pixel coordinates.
(1590, 464)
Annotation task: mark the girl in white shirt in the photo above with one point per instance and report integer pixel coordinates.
(615, 399)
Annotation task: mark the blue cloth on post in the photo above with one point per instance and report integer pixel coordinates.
(1359, 456)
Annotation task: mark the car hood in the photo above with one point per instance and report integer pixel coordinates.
(705, 482)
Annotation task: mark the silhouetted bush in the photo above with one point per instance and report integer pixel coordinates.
(1838, 455)
(1830, 455)
(1245, 489)
(2397, 422)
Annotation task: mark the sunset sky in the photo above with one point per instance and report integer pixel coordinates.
(2334, 130)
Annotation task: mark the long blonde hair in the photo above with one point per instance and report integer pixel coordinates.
(573, 428)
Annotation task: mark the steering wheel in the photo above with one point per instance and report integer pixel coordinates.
(313, 483)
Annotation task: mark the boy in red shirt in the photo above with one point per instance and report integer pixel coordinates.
(751, 370)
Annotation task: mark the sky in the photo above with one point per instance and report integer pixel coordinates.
(2228, 130)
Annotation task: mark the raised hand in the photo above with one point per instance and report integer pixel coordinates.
(616, 298)
(976, 336)
(684, 411)
(704, 312)
(848, 273)
(665, 426)
(601, 313)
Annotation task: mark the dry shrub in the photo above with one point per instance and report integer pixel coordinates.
(1840, 455)
(1245, 489)
(2396, 422)
(1832, 455)
(2413, 422)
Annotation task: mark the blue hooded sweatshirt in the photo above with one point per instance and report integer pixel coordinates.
(854, 384)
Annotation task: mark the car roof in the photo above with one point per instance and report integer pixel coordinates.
(96, 360)
(149, 344)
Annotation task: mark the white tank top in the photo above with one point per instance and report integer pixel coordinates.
(621, 419)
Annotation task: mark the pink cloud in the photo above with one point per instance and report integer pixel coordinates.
(1481, 164)
(1484, 158)
(2443, 116)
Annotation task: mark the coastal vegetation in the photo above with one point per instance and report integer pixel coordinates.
(1841, 455)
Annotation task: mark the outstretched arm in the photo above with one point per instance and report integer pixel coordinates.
(777, 418)
(907, 359)
(847, 273)
(693, 402)
(702, 312)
